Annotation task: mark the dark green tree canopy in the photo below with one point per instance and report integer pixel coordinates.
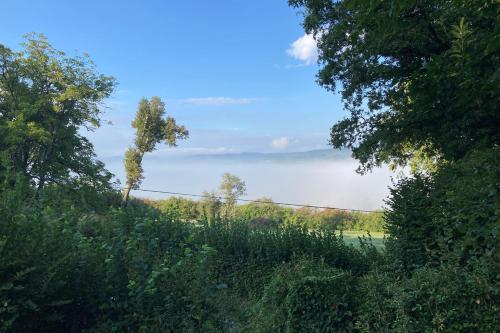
(418, 77)
(45, 98)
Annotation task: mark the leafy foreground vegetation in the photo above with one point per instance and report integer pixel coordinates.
(420, 80)
(138, 269)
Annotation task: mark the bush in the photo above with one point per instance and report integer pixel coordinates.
(263, 214)
(467, 209)
(271, 247)
(367, 221)
(448, 299)
(127, 270)
(377, 309)
(179, 208)
(306, 297)
(450, 217)
(77, 269)
(412, 231)
(49, 281)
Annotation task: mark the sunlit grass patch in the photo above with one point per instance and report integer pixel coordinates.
(351, 237)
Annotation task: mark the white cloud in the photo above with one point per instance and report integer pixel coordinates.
(219, 101)
(304, 49)
(280, 143)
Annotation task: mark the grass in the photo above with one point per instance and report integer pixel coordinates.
(351, 237)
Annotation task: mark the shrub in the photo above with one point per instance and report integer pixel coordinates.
(377, 310)
(448, 299)
(412, 231)
(178, 208)
(271, 247)
(467, 209)
(451, 216)
(307, 297)
(262, 214)
(368, 221)
(47, 277)
(127, 270)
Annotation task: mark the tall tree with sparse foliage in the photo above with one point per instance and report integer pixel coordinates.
(151, 128)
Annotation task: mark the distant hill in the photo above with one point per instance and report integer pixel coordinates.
(248, 157)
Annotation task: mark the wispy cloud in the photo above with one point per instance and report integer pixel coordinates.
(290, 66)
(304, 49)
(219, 100)
(180, 151)
(280, 143)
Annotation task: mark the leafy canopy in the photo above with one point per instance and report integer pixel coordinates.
(45, 98)
(232, 187)
(419, 78)
(151, 128)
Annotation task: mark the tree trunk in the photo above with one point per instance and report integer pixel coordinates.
(126, 193)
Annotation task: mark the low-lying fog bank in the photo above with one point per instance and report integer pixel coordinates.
(323, 177)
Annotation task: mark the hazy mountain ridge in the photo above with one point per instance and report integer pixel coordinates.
(249, 157)
(305, 156)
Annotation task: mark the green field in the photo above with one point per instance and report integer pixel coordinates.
(351, 237)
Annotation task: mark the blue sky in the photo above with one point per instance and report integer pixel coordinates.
(221, 66)
(240, 75)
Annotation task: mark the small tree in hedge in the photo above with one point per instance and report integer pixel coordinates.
(409, 223)
(231, 188)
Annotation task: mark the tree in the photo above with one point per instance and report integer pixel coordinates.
(210, 207)
(231, 189)
(419, 78)
(46, 97)
(151, 128)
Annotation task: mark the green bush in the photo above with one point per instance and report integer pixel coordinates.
(307, 297)
(263, 214)
(69, 268)
(451, 216)
(448, 299)
(377, 309)
(48, 278)
(412, 231)
(442, 299)
(276, 246)
(467, 209)
(367, 222)
(179, 208)
(127, 270)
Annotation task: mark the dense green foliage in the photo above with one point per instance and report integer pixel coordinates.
(141, 270)
(419, 78)
(420, 81)
(307, 297)
(45, 98)
(451, 217)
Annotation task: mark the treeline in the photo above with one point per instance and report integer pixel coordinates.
(267, 214)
